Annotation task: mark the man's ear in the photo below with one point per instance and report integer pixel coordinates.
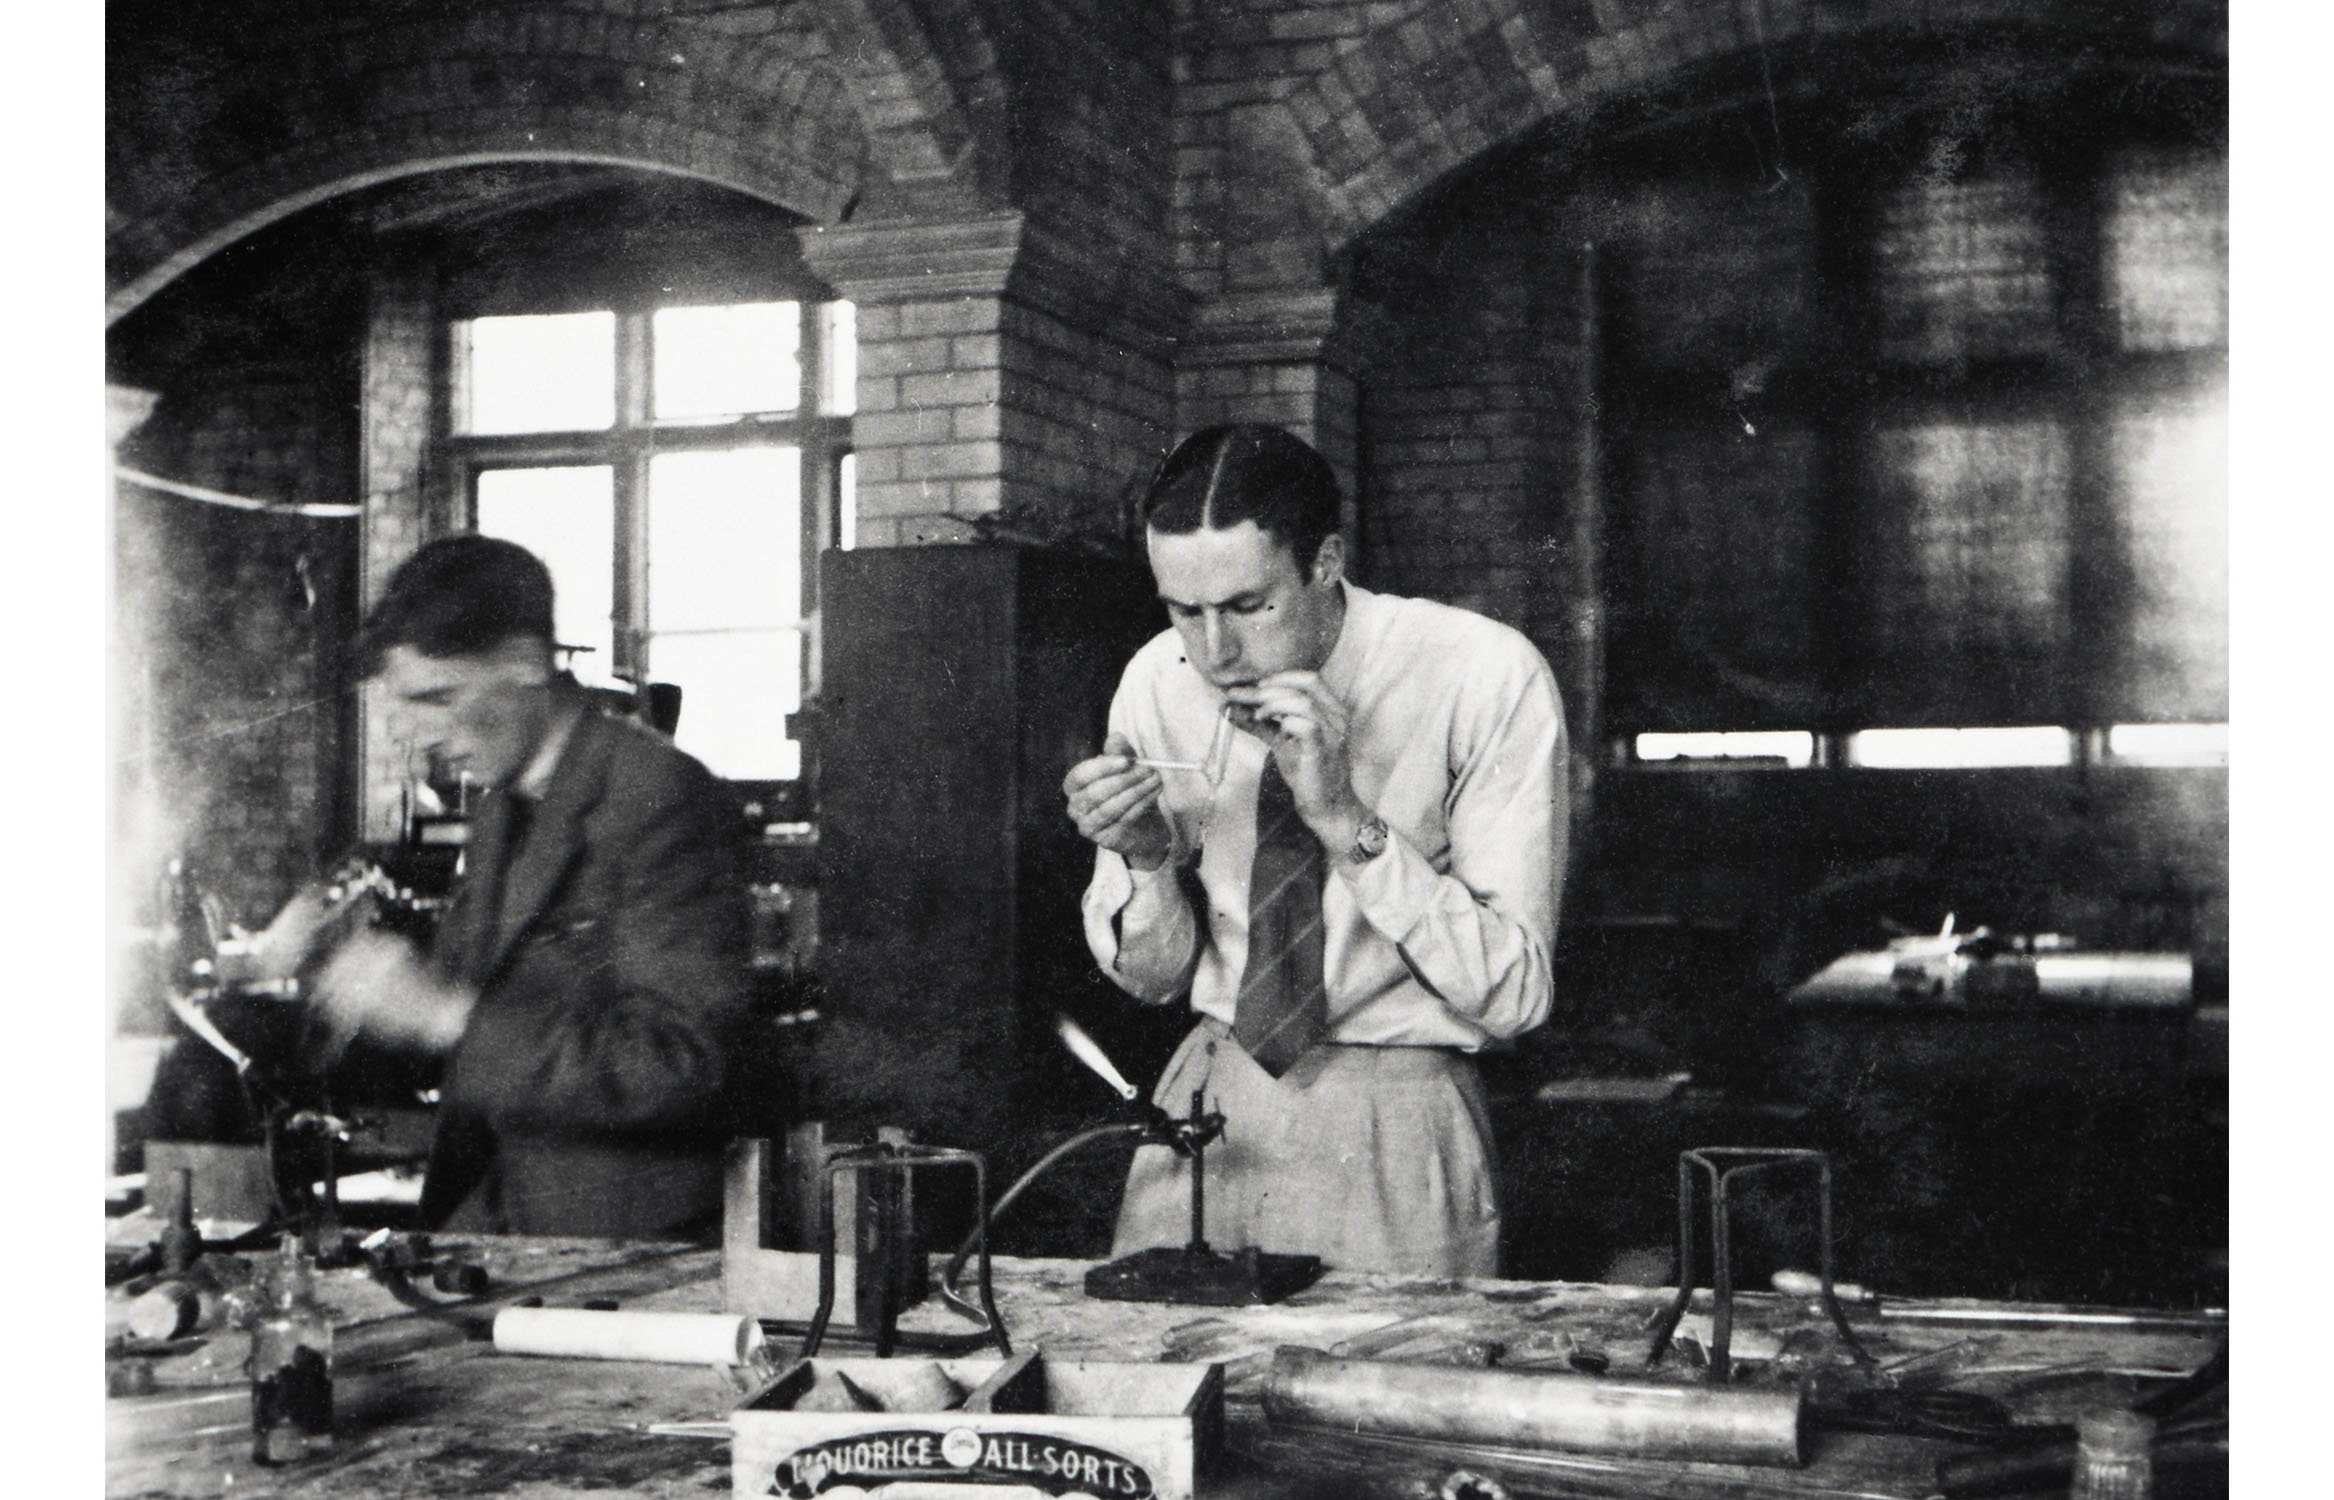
(522, 660)
(1329, 561)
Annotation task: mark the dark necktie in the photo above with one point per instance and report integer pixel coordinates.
(495, 835)
(1283, 1007)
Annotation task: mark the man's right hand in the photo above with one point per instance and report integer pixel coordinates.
(308, 924)
(1115, 803)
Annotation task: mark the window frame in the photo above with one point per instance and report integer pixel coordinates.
(1839, 387)
(632, 440)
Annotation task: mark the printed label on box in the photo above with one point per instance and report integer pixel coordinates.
(959, 1455)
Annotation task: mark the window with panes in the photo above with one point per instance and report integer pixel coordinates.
(677, 457)
(1916, 407)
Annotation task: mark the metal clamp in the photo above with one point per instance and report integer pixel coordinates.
(1722, 1164)
(903, 1161)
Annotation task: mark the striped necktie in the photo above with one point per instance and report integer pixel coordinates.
(1283, 1007)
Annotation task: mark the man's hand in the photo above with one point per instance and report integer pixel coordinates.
(379, 985)
(1305, 724)
(305, 924)
(1115, 803)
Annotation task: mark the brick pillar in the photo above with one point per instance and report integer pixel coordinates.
(1004, 378)
(1278, 357)
(400, 340)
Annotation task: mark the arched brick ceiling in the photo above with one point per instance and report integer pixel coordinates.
(224, 118)
(1414, 101)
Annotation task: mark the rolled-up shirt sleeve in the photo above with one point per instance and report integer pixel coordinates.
(1479, 936)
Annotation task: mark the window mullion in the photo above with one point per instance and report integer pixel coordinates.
(634, 441)
(2098, 583)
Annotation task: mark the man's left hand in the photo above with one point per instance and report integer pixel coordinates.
(379, 985)
(1306, 725)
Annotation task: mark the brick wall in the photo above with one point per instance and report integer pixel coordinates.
(233, 623)
(1093, 94)
(1205, 151)
(403, 508)
(1471, 411)
(200, 151)
(979, 407)
(1085, 419)
(928, 430)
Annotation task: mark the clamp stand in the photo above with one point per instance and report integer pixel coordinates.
(1196, 1274)
(1721, 1165)
(900, 1162)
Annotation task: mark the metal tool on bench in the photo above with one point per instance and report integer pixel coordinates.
(210, 982)
(898, 1162)
(1721, 1165)
(773, 1227)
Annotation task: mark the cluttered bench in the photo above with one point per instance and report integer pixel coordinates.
(1356, 1385)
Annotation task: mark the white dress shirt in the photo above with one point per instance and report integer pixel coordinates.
(1455, 739)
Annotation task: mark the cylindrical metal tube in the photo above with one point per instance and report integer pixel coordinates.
(663, 1338)
(2151, 981)
(1579, 1413)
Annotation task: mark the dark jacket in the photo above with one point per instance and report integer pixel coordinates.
(586, 1094)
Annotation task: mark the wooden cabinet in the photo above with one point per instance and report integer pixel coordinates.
(960, 686)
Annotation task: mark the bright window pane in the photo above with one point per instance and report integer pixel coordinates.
(2170, 744)
(724, 598)
(567, 517)
(725, 361)
(1963, 270)
(725, 539)
(2170, 460)
(847, 502)
(1966, 564)
(839, 389)
(2166, 250)
(736, 691)
(1901, 749)
(1792, 747)
(554, 373)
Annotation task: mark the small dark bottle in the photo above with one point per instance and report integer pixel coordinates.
(291, 1366)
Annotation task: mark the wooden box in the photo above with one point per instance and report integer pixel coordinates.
(980, 1427)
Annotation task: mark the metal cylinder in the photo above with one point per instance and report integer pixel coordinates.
(2149, 981)
(1578, 1413)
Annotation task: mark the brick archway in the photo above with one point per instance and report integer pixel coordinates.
(1401, 107)
(214, 137)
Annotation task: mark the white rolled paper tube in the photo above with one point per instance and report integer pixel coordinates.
(657, 1337)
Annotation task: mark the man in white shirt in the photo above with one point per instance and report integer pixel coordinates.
(1349, 859)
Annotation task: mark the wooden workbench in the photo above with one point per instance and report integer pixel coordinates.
(421, 1412)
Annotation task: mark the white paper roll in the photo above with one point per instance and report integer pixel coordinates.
(662, 1338)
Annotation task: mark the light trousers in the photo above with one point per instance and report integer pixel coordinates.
(1372, 1158)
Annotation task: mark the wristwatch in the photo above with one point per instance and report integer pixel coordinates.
(1369, 840)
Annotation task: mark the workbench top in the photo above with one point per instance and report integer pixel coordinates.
(423, 1412)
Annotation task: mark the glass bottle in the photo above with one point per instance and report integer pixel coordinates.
(2111, 1456)
(291, 1365)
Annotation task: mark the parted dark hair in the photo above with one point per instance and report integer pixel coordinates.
(1221, 476)
(458, 596)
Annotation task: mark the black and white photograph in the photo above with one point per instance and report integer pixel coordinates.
(1183, 749)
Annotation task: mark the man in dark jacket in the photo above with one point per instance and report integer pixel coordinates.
(587, 980)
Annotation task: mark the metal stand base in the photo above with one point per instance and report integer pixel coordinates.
(1202, 1277)
(1721, 1165)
